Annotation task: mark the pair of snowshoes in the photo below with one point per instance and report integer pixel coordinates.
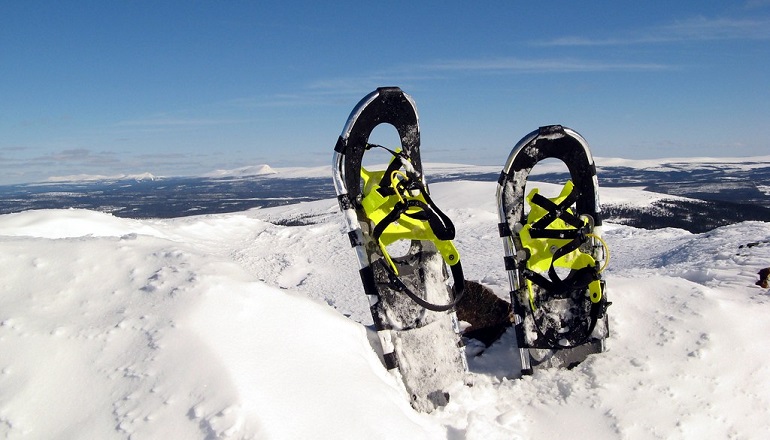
(559, 317)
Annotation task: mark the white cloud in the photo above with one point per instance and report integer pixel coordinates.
(701, 28)
(172, 122)
(692, 29)
(409, 76)
(518, 65)
(756, 4)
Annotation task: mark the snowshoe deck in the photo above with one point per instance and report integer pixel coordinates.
(554, 254)
(409, 297)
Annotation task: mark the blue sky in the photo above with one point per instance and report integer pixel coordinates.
(186, 87)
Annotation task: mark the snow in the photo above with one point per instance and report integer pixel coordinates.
(252, 170)
(233, 326)
(687, 163)
(100, 177)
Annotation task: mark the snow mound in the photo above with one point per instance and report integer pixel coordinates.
(66, 223)
(138, 336)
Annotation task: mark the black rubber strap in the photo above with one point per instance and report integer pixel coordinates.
(459, 288)
(440, 224)
(574, 337)
(385, 187)
(400, 158)
(578, 279)
(556, 211)
(575, 282)
(438, 220)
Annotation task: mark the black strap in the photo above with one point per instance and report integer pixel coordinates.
(442, 228)
(400, 159)
(577, 279)
(399, 286)
(574, 337)
(554, 211)
(369, 146)
(439, 223)
(385, 188)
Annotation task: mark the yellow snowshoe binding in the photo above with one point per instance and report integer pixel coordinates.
(554, 237)
(399, 207)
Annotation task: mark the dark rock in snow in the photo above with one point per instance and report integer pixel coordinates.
(488, 314)
(764, 278)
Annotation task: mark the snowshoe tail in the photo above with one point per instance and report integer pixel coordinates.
(411, 304)
(554, 253)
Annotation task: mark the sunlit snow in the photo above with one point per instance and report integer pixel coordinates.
(234, 326)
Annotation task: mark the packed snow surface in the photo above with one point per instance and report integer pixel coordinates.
(233, 326)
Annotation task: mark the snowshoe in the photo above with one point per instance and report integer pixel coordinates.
(411, 303)
(554, 253)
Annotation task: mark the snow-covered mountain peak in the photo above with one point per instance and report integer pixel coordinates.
(251, 170)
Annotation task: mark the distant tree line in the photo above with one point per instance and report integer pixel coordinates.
(695, 216)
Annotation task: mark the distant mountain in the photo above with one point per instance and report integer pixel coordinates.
(100, 178)
(247, 171)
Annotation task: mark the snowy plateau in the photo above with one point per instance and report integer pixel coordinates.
(253, 324)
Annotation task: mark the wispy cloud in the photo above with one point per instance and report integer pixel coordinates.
(84, 161)
(518, 65)
(345, 89)
(693, 29)
(325, 91)
(275, 100)
(176, 122)
(80, 156)
(701, 28)
(413, 74)
(756, 4)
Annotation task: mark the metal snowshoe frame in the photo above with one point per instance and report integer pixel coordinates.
(546, 336)
(410, 302)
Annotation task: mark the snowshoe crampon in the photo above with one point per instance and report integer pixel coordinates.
(409, 295)
(554, 253)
